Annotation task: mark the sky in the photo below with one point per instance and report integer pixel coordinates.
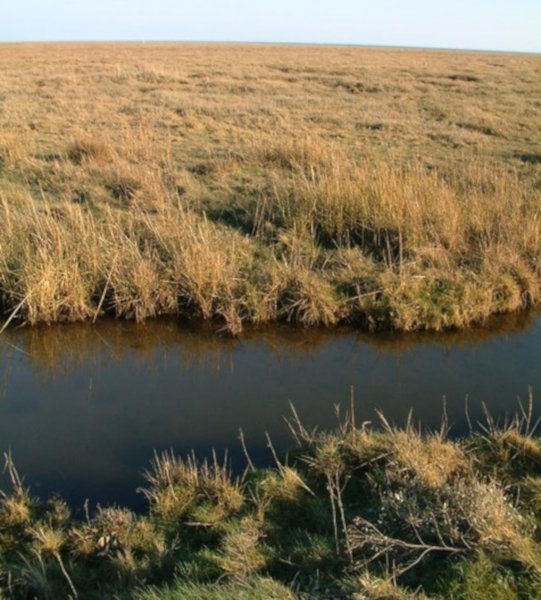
(513, 25)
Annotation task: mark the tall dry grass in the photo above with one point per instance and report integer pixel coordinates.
(254, 184)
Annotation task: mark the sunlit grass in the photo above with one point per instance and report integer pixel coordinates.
(359, 512)
(258, 184)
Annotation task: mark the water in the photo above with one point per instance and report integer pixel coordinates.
(83, 407)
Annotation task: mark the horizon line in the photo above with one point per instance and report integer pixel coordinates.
(272, 43)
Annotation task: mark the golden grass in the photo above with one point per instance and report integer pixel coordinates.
(416, 454)
(242, 555)
(250, 184)
(180, 489)
(16, 510)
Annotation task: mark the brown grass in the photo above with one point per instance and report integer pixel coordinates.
(249, 184)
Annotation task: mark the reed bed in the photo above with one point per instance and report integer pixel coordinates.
(249, 185)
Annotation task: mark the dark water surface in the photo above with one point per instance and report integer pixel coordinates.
(82, 407)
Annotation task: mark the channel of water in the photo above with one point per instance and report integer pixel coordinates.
(83, 407)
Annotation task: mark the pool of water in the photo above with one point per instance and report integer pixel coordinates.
(82, 407)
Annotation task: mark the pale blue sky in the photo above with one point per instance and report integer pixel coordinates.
(476, 24)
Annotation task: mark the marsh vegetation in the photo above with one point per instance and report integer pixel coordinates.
(386, 188)
(359, 513)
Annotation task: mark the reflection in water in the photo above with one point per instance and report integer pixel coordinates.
(58, 349)
(82, 406)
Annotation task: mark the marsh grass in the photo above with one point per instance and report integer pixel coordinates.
(361, 512)
(258, 184)
(380, 256)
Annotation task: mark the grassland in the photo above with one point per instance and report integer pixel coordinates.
(359, 513)
(384, 188)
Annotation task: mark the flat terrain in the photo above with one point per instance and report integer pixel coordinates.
(391, 188)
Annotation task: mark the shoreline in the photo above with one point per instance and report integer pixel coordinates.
(345, 503)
